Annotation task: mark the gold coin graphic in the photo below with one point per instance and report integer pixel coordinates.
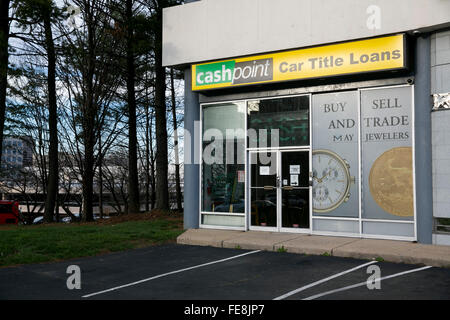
(391, 182)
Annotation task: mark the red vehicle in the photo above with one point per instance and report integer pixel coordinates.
(9, 212)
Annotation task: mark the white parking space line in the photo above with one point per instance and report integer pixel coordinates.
(169, 273)
(365, 283)
(284, 296)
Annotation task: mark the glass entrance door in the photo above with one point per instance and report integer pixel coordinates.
(279, 189)
(264, 182)
(295, 189)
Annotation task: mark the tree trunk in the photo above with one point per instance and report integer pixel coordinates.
(89, 114)
(147, 152)
(57, 215)
(4, 36)
(52, 185)
(88, 180)
(175, 143)
(100, 176)
(152, 167)
(162, 192)
(133, 181)
(153, 185)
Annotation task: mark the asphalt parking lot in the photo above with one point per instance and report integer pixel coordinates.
(177, 272)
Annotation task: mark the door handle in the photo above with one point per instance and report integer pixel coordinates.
(269, 187)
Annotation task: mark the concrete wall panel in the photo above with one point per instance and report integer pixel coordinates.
(216, 29)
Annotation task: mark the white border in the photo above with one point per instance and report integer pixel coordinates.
(223, 213)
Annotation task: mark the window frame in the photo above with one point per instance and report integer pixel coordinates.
(200, 141)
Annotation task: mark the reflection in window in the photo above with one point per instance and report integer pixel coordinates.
(290, 116)
(223, 161)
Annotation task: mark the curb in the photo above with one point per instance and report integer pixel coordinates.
(357, 248)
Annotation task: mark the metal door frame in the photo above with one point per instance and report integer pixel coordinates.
(297, 230)
(279, 213)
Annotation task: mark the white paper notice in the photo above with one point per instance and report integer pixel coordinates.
(294, 169)
(294, 179)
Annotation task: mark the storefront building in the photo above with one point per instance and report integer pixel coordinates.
(315, 117)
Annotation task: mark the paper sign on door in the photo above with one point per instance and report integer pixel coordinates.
(294, 169)
(294, 179)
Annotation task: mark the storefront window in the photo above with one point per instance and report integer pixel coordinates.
(386, 170)
(387, 161)
(357, 178)
(288, 116)
(386, 133)
(223, 161)
(335, 160)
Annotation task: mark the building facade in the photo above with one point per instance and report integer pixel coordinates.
(316, 117)
(17, 152)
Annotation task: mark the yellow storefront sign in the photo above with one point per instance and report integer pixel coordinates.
(378, 54)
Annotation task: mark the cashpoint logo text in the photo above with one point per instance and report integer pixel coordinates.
(233, 72)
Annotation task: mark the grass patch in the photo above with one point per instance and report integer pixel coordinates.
(282, 249)
(53, 242)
